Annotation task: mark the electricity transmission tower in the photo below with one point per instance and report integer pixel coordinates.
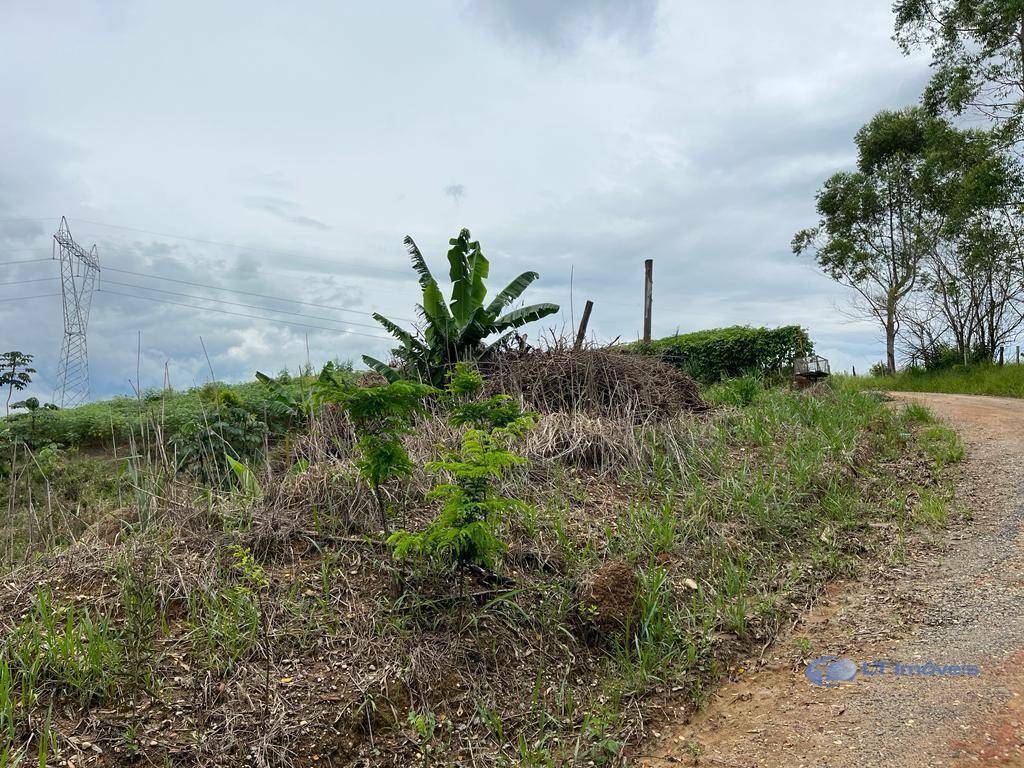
(78, 271)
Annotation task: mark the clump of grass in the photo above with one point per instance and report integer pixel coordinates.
(916, 413)
(648, 648)
(227, 622)
(943, 445)
(738, 392)
(932, 509)
(71, 651)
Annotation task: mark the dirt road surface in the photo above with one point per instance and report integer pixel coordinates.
(958, 600)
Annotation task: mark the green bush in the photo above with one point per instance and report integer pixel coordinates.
(724, 353)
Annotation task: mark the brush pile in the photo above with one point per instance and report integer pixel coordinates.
(598, 381)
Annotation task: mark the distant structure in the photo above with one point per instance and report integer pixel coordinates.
(809, 369)
(78, 272)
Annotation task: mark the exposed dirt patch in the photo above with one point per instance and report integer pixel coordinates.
(958, 599)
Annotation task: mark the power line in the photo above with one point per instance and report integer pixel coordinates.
(240, 314)
(223, 244)
(23, 261)
(22, 282)
(23, 298)
(236, 303)
(243, 293)
(133, 253)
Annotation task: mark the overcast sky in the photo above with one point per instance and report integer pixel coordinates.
(286, 149)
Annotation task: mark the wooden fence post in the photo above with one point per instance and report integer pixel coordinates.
(648, 289)
(581, 334)
(1001, 351)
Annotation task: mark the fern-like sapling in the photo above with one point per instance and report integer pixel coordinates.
(463, 534)
(497, 411)
(381, 417)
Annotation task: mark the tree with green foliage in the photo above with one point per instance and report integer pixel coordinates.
(878, 223)
(457, 330)
(33, 406)
(463, 535)
(15, 373)
(975, 278)
(381, 417)
(977, 56)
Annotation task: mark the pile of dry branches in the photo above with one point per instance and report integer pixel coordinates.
(599, 381)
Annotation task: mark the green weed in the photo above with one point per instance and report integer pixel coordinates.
(739, 392)
(931, 509)
(65, 649)
(943, 445)
(916, 413)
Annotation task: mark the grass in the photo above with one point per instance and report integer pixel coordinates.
(984, 379)
(296, 639)
(61, 647)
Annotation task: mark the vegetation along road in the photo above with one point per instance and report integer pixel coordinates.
(955, 600)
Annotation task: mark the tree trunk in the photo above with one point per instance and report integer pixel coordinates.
(890, 345)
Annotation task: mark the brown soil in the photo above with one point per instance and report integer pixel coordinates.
(957, 599)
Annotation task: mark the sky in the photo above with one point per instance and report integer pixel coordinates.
(284, 151)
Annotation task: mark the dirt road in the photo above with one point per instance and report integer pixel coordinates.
(958, 600)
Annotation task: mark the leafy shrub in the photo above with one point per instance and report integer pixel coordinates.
(721, 353)
(207, 446)
(942, 357)
(286, 403)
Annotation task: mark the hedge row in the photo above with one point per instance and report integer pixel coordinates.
(721, 353)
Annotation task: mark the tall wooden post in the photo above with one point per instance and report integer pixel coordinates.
(648, 289)
(582, 333)
(1001, 351)
(1018, 354)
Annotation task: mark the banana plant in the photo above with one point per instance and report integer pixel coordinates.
(457, 330)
